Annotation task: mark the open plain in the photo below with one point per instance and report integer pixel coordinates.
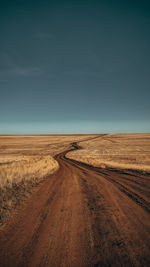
(93, 210)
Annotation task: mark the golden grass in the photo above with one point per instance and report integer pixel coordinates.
(36, 145)
(27, 168)
(24, 162)
(31, 157)
(120, 151)
(18, 177)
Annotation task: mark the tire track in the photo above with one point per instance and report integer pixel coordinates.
(80, 216)
(108, 175)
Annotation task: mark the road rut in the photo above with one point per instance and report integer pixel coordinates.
(81, 216)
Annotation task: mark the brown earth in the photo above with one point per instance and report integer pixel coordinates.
(81, 216)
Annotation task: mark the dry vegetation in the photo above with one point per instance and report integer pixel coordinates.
(27, 168)
(120, 151)
(36, 145)
(24, 162)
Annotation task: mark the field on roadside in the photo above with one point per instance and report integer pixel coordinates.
(30, 157)
(25, 168)
(81, 215)
(119, 151)
(36, 144)
(24, 162)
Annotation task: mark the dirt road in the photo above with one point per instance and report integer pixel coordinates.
(81, 216)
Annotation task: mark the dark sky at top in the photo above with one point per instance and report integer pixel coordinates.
(74, 66)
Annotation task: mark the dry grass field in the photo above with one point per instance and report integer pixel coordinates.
(119, 151)
(36, 145)
(24, 162)
(26, 168)
(80, 215)
(30, 157)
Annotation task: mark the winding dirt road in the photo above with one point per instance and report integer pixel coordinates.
(81, 216)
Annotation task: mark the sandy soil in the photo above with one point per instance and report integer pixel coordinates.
(81, 216)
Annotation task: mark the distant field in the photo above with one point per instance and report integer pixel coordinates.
(24, 162)
(30, 157)
(120, 151)
(36, 145)
(81, 215)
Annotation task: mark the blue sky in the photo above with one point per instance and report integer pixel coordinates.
(74, 66)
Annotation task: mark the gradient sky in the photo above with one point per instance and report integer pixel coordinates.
(74, 66)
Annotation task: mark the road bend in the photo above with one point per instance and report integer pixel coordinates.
(81, 216)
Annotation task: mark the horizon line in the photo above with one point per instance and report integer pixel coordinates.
(106, 133)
